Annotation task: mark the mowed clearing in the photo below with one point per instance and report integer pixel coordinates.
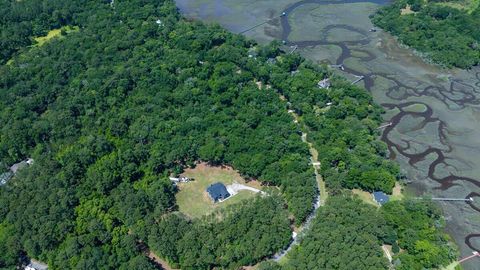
(192, 198)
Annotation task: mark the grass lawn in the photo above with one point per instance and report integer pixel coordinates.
(365, 196)
(192, 198)
(54, 33)
(50, 35)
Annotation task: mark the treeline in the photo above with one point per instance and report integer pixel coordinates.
(446, 35)
(238, 236)
(347, 234)
(108, 112)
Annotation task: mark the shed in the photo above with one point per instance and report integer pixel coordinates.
(380, 197)
(217, 192)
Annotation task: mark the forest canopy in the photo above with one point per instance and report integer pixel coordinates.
(444, 31)
(137, 93)
(347, 234)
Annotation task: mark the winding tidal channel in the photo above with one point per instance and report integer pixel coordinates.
(435, 112)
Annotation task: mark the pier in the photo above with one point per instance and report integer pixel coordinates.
(341, 67)
(262, 23)
(386, 125)
(470, 199)
(359, 79)
(474, 254)
(294, 48)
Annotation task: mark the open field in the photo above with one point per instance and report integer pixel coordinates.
(192, 199)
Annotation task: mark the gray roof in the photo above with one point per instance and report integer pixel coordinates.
(17, 166)
(218, 191)
(38, 265)
(380, 197)
(20, 165)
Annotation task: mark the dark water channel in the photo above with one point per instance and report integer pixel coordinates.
(435, 112)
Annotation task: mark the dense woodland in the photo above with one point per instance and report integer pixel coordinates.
(345, 133)
(444, 34)
(108, 112)
(347, 234)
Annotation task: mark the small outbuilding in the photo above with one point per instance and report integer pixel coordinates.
(217, 192)
(380, 197)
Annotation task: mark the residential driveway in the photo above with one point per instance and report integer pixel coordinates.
(235, 188)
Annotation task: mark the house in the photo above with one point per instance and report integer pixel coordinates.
(36, 265)
(324, 84)
(380, 197)
(217, 192)
(22, 164)
(17, 166)
(4, 177)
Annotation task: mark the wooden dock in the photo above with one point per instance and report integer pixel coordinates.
(470, 199)
(359, 79)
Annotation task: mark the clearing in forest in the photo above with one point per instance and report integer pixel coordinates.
(192, 198)
(55, 33)
(365, 196)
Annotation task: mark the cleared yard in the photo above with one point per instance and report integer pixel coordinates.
(365, 196)
(397, 194)
(192, 198)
